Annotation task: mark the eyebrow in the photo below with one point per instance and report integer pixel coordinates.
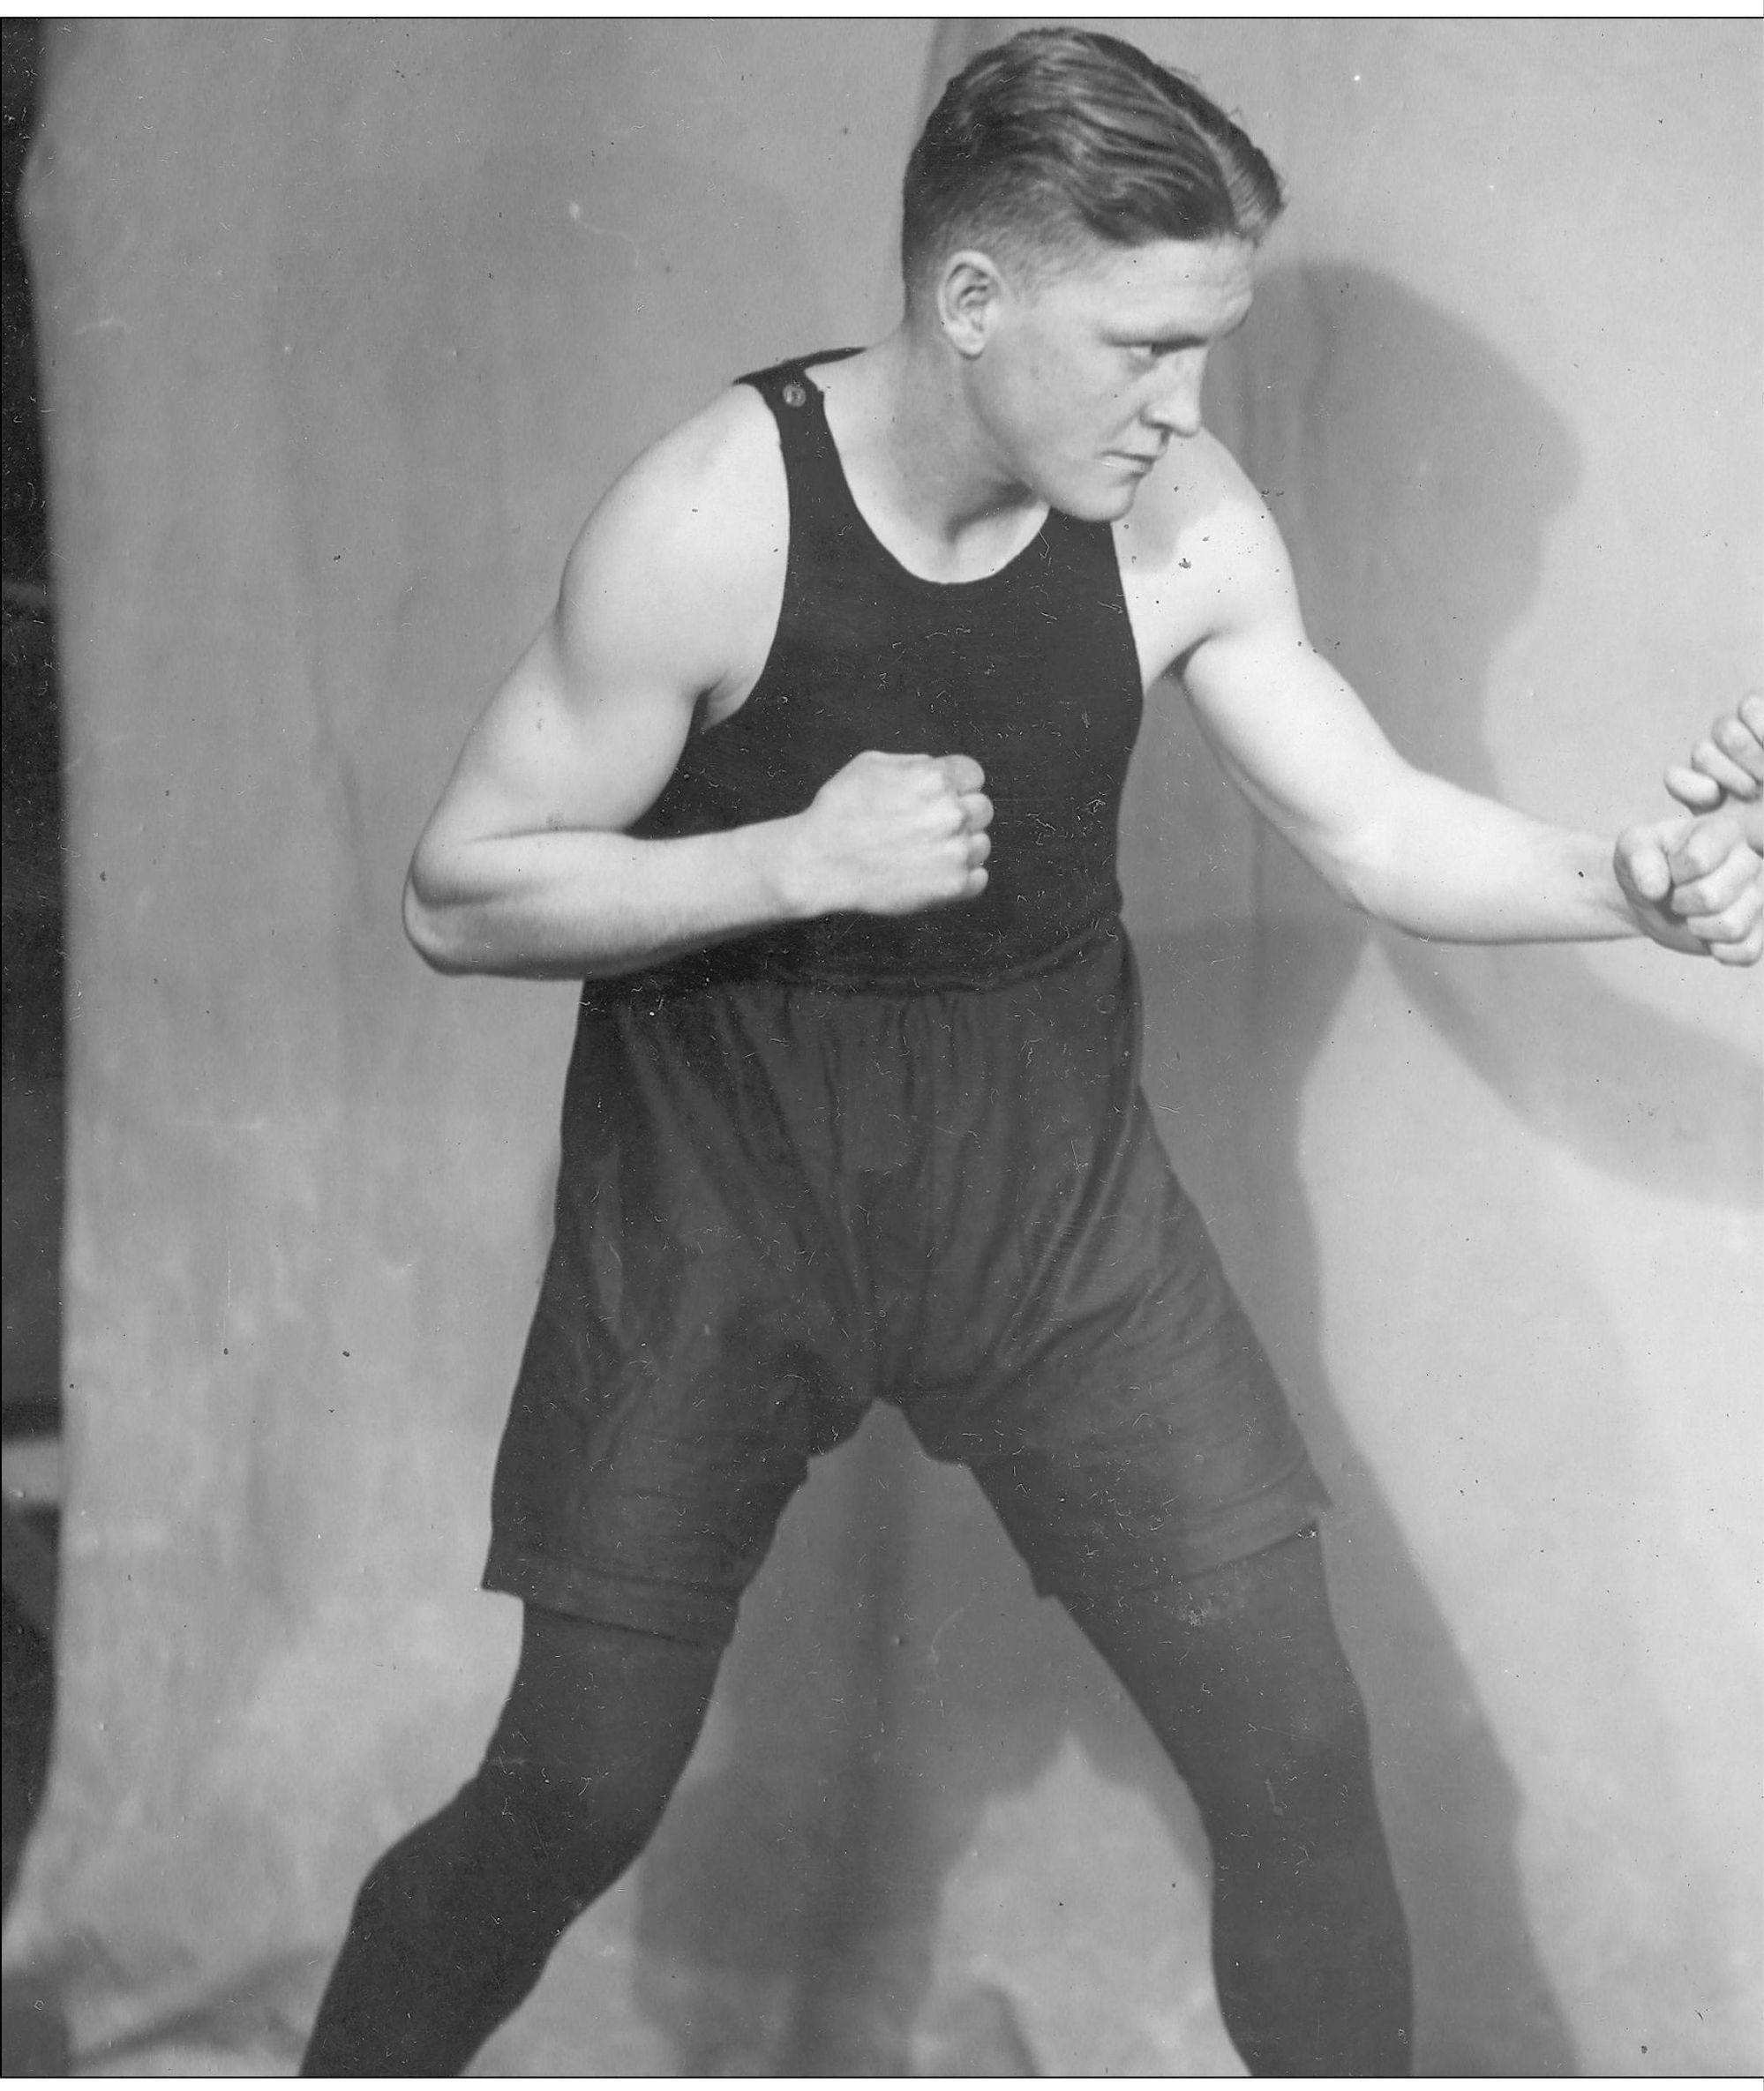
(1128, 339)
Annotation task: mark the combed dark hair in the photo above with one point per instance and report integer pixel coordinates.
(1064, 133)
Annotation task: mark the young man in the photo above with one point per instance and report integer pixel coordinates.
(814, 778)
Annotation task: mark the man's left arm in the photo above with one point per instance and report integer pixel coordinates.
(1408, 847)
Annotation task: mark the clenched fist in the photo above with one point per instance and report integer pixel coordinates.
(1694, 885)
(892, 835)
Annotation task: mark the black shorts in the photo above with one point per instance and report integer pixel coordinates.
(779, 1203)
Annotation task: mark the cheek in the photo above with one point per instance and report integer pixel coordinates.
(1116, 396)
(1091, 405)
(1067, 404)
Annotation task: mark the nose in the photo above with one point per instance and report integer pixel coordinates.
(1175, 406)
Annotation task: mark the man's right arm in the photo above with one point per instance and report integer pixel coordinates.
(668, 604)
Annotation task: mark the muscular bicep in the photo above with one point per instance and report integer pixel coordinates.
(572, 739)
(1290, 730)
(661, 607)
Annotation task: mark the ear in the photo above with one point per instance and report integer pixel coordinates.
(969, 290)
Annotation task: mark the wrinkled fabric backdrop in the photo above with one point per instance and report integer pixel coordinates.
(344, 328)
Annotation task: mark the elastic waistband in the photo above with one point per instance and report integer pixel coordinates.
(736, 965)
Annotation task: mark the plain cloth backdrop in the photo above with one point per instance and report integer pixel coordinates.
(343, 330)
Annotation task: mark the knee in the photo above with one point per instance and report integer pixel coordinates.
(1305, 1768)
(575, 1832)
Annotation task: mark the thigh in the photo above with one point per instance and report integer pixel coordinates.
(690, 1349)
(1147, 1438)
(1092, 1364)
(1241, 1674)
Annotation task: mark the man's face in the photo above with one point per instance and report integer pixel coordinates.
(1086, 378)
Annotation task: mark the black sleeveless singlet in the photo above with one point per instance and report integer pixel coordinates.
(808, 1167)
(1031, 671)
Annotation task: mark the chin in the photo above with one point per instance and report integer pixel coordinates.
(1088, 489)
(1098, 504)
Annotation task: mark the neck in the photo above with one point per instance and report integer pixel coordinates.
(919, 461)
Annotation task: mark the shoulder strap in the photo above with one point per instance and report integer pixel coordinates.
(775, 376)
(811, 463)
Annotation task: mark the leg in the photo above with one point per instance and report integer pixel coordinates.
(1243, 1679)
(452, 1927)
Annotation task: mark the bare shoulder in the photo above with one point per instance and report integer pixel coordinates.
(1199, 552)
(704, 461)
(687, 548)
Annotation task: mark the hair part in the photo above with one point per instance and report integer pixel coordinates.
(1059, 138)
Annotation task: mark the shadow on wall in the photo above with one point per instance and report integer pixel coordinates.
(1415, 473)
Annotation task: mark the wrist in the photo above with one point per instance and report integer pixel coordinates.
(1617, 903)
(776, 855)
(1611, 898)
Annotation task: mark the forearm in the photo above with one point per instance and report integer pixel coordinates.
(1443, 863)
(1423, 855)
(578, 903)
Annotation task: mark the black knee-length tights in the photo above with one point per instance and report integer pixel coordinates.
(1239, 1672)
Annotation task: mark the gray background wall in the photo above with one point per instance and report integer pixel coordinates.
(343, 329)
